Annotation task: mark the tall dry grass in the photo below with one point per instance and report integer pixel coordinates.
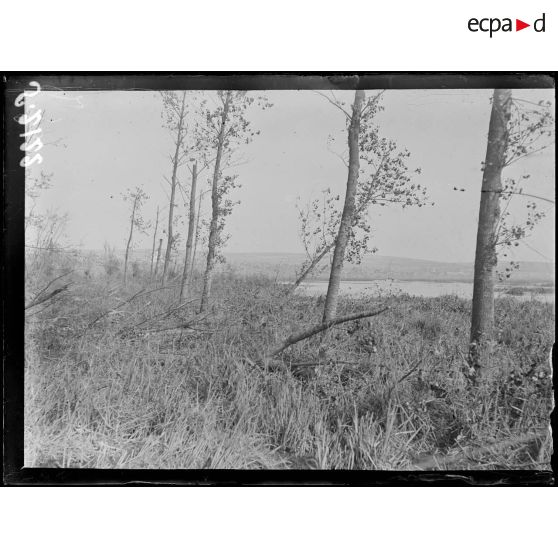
(110, 383)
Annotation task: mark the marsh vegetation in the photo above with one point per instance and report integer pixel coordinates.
(124, 376)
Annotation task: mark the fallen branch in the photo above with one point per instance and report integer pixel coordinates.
(320, 363)
(44, 289)
(140, 292)
(44, 298)
(184, 325)
(164, 314)
(297, 337)
(276, 364)
(42, 308)
(178, 327)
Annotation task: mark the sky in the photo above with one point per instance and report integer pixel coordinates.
(99, 144)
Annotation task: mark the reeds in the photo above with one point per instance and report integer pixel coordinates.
(124, 381)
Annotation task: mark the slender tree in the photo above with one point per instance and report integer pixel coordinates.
(338, 230)
(136, 198)
(158, 257)
(226, 127)
(384, 179)
(196, 234)
(153, 248)
(175, 110)
(513, 134)
(482, 321)
(191, 232)
(348, 210)
(391, 183)
(226, 98)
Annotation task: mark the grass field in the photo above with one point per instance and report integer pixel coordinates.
(117, 384)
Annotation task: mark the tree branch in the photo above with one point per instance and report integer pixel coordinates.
(49, 284)
(297, 337)
(371, 102)
(46, 297)
(140, 292)
(337, 105)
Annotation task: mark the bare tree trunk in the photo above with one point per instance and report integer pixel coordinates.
(214, 226)
(348, 211)
(158, 257)
(190, 239)
(130, 239)
(196, 238)
(482, 319)
(153, 249)
(175, 159)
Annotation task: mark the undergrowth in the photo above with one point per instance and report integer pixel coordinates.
(117, 384)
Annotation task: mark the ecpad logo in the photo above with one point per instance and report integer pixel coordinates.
(493, 25)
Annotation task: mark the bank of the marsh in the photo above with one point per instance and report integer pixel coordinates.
(110, 383)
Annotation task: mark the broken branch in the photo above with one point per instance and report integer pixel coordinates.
(46, 297)
(297, 337)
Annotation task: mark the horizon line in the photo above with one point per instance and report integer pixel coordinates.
(468, 262)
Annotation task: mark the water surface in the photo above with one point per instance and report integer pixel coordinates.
(415, 288)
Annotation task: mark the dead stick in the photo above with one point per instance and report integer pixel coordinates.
(164, 314)
(36, 297)
(46, 297)
(187, 325)
(320, 363)
(296, 337)
(140, 292)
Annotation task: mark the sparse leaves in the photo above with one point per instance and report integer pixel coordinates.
(137, 197)
(236, 130)
(530, 130)
(384, 179)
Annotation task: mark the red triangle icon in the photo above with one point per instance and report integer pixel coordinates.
(519, 25)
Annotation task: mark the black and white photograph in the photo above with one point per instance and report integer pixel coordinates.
(289, 266)
(290, 274)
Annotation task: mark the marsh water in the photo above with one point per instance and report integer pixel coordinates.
(420, 288)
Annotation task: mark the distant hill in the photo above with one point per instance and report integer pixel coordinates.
(285, 266)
